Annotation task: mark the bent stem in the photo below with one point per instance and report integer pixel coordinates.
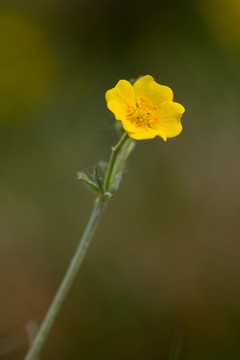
(116, 164)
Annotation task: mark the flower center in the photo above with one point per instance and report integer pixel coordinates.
(142, 114)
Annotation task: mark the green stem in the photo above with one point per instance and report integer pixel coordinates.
(119, 164)
(98, 209)
(115, 152)
(99, 206)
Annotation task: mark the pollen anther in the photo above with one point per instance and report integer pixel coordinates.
(143, 115)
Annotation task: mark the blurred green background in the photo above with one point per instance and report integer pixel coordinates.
(163, 270)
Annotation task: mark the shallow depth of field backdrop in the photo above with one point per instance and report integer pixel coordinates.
(164, 266)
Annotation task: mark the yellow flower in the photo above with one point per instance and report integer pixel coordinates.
(145, 109)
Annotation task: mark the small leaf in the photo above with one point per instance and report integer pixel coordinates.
(98, 179)
(90, 184)
(116, 182)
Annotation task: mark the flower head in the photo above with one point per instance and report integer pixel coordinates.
(146, 109)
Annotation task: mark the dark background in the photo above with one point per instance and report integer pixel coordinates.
(162, 273)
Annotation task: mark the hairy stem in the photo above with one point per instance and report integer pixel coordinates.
(68, 279)
(118, 157)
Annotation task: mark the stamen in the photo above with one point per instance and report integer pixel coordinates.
(143, 115)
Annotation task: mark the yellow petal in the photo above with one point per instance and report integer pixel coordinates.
(138, 133)
(151, 91)
(170, 119)
(145, 135)
(119, 97)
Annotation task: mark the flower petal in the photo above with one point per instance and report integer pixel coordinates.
(138, 133)
(170, 119)
(145, 135)
(151, 91)
(119, 97)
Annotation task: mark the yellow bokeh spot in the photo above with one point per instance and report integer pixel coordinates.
(223, 18)
(26, 65)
